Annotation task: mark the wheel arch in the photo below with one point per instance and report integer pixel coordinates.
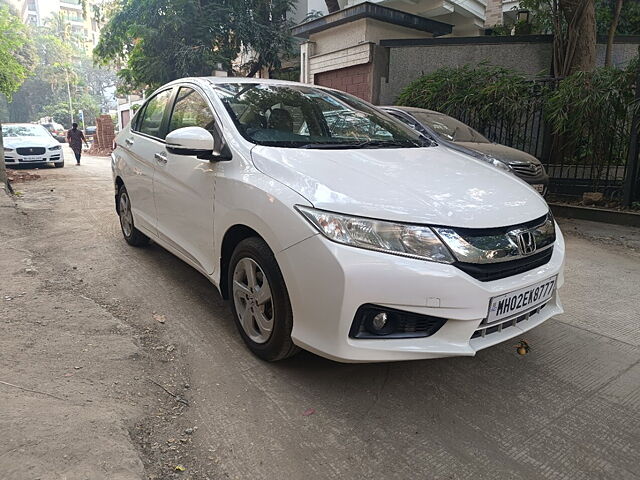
(232, 237)
(118, 183)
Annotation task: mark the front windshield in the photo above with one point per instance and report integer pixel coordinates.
(449, 128)
(24, 131)
(296, 116)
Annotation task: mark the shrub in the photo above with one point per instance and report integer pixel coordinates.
(590, 112)
(482, 92)
(587, 114)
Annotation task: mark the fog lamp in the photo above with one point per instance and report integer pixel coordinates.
(380, 321)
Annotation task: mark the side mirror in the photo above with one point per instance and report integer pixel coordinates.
(198, 142)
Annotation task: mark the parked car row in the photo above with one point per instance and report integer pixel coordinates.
(334, 227)
(57, 131)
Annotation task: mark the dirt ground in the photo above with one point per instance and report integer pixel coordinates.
(123, 363)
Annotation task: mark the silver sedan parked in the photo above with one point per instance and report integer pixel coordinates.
(454, 133)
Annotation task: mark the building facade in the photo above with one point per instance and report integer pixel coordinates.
(467, 17)
(81, 21)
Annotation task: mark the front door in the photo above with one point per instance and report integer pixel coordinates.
(144, 140)
(184, 186)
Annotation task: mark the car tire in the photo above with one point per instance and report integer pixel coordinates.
(59, 165)
(131, 234)
(262, 303)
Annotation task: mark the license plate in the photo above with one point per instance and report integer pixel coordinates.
(31, 159)
(512, 303)
(539, 187)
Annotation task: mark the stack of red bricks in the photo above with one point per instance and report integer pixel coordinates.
(105, 134)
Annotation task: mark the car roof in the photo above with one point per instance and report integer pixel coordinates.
(213, 81)
(221, 80)
(24, 124)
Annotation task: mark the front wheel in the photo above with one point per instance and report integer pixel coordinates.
(132, 235)
(59, 164)
(260, 302)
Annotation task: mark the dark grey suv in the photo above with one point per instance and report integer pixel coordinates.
(457, 135)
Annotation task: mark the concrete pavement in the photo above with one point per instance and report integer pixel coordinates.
(570, 409)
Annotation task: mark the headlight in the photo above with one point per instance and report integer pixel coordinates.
(57, 147)
(9, 149)
(415, 241)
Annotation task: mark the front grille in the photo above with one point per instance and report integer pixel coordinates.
(31, 150)
(529, 170)
(486, 272)
(485, 330)
(405, 324)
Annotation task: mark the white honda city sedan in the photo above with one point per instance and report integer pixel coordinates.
(332, 227)
(28, 144)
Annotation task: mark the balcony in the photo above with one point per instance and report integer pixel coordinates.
(72, 4)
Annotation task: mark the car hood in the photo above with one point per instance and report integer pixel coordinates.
(433, 185)
(16, 142)
(501, 152)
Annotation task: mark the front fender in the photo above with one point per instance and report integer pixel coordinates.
(262, 204)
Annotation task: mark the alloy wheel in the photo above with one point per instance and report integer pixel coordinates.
(253, 300)
(126, 218)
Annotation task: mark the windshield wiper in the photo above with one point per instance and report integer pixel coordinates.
(330, 146)
(364, 144)
(388, 144)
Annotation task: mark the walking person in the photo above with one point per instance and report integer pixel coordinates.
(75, 138)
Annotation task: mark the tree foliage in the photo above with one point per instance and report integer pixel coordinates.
(15, 64)
(157, 41)
(15, 60)
(486, 90)
(45, 91)
(587, 113)
(60, 111)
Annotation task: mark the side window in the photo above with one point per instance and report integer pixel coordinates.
(191, 110)
(150, 121)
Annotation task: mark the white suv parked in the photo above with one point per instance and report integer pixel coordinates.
(333, 227)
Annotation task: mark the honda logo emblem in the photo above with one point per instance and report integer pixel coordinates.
(524, 240)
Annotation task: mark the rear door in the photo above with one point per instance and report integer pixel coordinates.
(143, 144)
(184, 185)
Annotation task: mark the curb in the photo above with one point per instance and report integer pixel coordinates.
(596, 214)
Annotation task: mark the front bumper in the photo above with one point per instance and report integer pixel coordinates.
(328, 282)
(49, 156)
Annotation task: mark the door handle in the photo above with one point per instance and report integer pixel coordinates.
(128, 141)
(161, 158)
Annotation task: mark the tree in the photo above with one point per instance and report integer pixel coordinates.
(60, 111)
(612, 32)
(49, 80)
(13, 71)
(160, 40)
(573, 25)
(99, 83)
(580, 47)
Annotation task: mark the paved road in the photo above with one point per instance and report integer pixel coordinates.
(569, 409)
